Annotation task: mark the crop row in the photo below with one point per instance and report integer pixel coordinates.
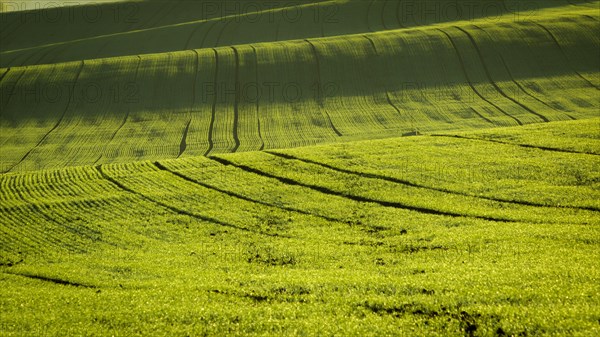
(296, 93)
(236, 25)
(370, 186)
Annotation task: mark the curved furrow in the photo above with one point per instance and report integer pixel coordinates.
(262, 142)
(30, 56)
(527, 91)
(51, 280)
(491, 80)
(8, 31)
(11, 92)
(183, 144)
(7, 245)
(214, 105)
(196, 71)
(45, 235)
(239, 196)
(112, 137)
(157, 29)
(89, 211)
(137, 69)
(480, 115)
(89, 203)
(562, 51)
(16, 223)
(389, 100)
(471, 85)
(372, 44)
(62, 221)
(236, 102)
(529, 146)
(178, 210)
(46, 192)
(319, 87)
(70, 100)
(140, 28)
(17, 242)
(387, 92)
(512, 78)
(10, 189)
(329, 191)
(416, 185)
(50, 51)
(590, 17)
(4, 73)
(97, 159)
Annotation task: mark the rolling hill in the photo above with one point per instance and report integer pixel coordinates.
(399, 236)
(307, 168)
(114, 93)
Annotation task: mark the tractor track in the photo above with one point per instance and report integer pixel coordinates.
(329, 191)
(59, 120)
(491, 80)
(471, 85)
(179, 210)
(416, 185)
(320, 88)
(239, 196)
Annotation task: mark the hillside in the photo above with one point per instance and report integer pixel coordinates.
(307, 168)
(169, 84)
(403, 236)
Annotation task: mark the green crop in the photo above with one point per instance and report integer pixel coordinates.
(316, 240)
(308, 168)
(160, 89)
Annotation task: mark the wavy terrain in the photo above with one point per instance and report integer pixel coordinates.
(307, 168)
(426, 234)
(132, 92)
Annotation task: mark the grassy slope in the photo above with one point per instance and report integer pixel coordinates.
(422, 235)
(374, 76)
(135, 28)
(367, 234)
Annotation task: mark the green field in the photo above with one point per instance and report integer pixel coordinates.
(315, 168)
(107, 93)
